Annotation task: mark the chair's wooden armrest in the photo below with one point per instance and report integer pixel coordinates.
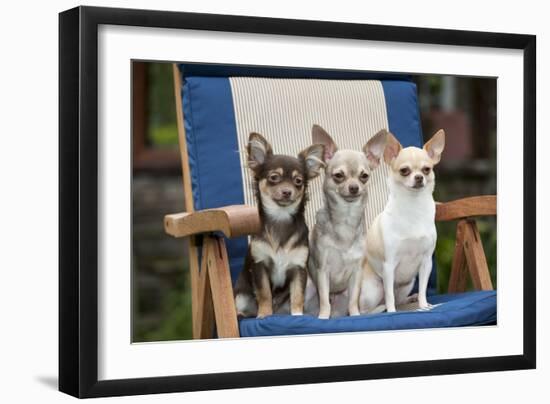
(467, 207)
(233, 221)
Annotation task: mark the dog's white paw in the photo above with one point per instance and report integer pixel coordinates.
(324, 313)
(422, 306)
(354, 312)
(264, 313)
(427, 307)
(297, 313)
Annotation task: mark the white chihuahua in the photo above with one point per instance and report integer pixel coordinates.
(401, 240)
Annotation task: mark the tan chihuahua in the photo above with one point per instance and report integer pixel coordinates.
(401, 240)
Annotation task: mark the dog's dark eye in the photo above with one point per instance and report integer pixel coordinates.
(298, 181)
(338, 176)
(404, 171)
(426, 170)
(274, 177)
(364, 177)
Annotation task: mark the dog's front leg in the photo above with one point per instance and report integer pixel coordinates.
(262, 289)
(354, 288)
(298, 279)
(423, 279)
(388, 277)
(323, 288)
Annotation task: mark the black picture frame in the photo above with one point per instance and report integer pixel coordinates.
(78, 200)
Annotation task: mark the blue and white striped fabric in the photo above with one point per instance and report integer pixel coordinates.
(283, 110)
(223, 104)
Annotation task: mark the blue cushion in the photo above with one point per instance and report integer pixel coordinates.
(454, 310)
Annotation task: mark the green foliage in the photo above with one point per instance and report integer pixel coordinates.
(164, 135)
(444, 253)
(175, 322)
(161, 105)
(488, 231)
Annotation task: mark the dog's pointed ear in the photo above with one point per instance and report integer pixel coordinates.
(393, 147)
(374, 148)
(320, 136)
(258, 149)
(434, 147)
(313, 157)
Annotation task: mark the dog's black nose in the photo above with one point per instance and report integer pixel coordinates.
(286, 193)
(353, 189)
(418, 178)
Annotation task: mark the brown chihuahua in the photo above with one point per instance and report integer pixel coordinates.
(275, 266)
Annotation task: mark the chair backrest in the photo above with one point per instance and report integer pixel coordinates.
(223, 104)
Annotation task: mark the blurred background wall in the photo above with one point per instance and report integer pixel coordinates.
(464, 106)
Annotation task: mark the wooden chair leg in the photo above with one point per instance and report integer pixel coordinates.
(194, 277)
(475, 257)
(469, 258)
(222, 290)
(458, 277)
(203, 309)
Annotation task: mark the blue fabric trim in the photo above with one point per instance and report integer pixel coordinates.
(402, 109)
(191, 146)
(456, 310)
(214, 152)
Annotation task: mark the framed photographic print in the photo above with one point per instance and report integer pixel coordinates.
(251, 201)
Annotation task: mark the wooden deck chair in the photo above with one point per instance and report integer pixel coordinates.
(217, 107)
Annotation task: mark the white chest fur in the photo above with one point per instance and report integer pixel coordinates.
(409, 233)
(278, 258)
(339, 241)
